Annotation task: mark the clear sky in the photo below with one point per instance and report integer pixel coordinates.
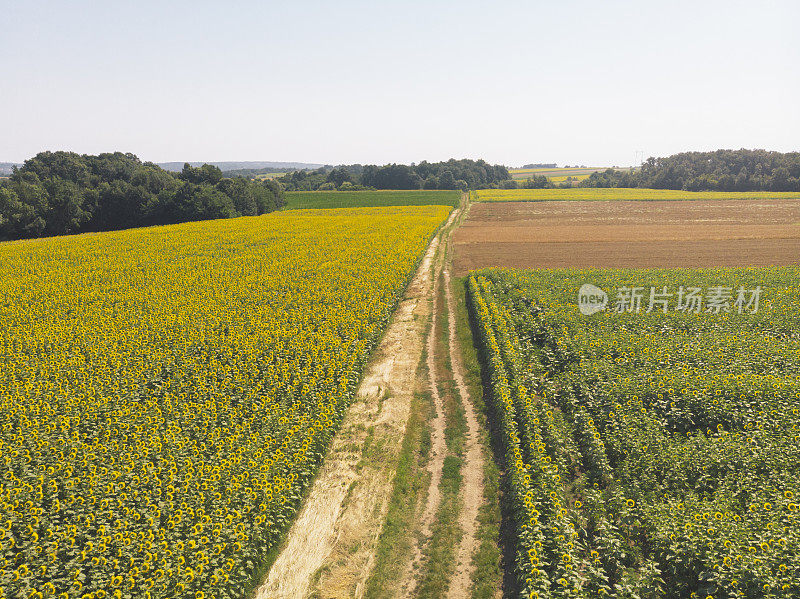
(572, 82)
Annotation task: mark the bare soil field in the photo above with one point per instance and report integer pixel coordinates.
(629, 234)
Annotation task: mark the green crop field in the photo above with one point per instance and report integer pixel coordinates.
(594, 193)
(650, 453)
(370, 199)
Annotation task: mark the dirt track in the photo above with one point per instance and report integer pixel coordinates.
(330, 548)
(408, 585)
(629, 234)
(472, 471)
(471, 488)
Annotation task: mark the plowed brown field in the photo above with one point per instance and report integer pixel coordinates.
(620, 234)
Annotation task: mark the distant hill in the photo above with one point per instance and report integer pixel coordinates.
(235, 166)
(6, 168)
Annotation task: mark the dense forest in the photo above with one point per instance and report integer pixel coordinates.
(724, 170)
(57, 193)
(453, 174)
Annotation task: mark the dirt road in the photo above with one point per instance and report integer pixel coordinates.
(472, 470)
(329, 550)
(471, 490)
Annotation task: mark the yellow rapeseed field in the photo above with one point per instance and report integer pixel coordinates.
(166, 394)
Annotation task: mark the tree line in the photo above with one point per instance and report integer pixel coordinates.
(453, 174)
(58, 193)
(723, 170)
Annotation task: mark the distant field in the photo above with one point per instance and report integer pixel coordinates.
(554, 173)
(562, 179)
(369, 199)
(587, 193)
(629, 234)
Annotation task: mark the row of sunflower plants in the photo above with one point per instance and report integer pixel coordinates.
(686, 424)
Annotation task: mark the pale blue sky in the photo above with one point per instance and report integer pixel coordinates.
(375, 82)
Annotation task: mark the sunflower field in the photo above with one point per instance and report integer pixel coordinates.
(648, 453)
(167, 394)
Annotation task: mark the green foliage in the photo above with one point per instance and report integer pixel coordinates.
(653, 454)
(203, 174)
(57, 193)
(723, 170)
(447, 180)
(453, 174)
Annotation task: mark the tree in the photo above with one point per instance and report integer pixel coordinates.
(780, 179)
(66, 213)
(58, 165)
(742, 180)
(244, 201)
(475, 173)
(18, 219)
(432, 182)
(391, 176)
(536, 182)
(202, 174)
(338, 176)
(56, 193)
(447, 180)
(720, 169)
